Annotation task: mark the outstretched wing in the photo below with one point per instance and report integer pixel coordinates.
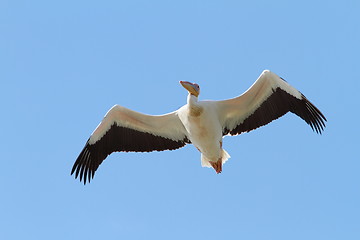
(269, 98)
(124, 130)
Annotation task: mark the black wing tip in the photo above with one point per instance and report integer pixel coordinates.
(83, 167)
(83, 177)
(314, 117)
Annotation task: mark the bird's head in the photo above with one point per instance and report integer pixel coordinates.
(192, 88)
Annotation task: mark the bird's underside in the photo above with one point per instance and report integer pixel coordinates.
(202, 123)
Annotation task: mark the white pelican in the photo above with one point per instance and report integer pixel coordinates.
(202, 123)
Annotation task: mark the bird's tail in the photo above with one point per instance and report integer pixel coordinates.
(205, 162)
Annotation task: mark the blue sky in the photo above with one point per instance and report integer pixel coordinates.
(65, 63)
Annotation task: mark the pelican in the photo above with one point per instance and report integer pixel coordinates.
(201, 123)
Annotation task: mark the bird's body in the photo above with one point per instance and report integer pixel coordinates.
(202, 123)
(204, 130)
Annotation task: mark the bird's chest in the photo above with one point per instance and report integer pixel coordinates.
(202, 126)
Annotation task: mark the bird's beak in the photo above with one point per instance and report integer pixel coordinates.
(190, 87)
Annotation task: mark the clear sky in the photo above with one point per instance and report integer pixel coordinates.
(63, 64)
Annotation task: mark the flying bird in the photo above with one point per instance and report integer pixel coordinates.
(201, 123)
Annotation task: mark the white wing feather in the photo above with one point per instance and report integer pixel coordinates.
(167, 125)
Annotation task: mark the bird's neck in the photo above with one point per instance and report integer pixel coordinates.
(195, 109)
(192, 100)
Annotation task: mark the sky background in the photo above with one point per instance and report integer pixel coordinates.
(63, 64)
